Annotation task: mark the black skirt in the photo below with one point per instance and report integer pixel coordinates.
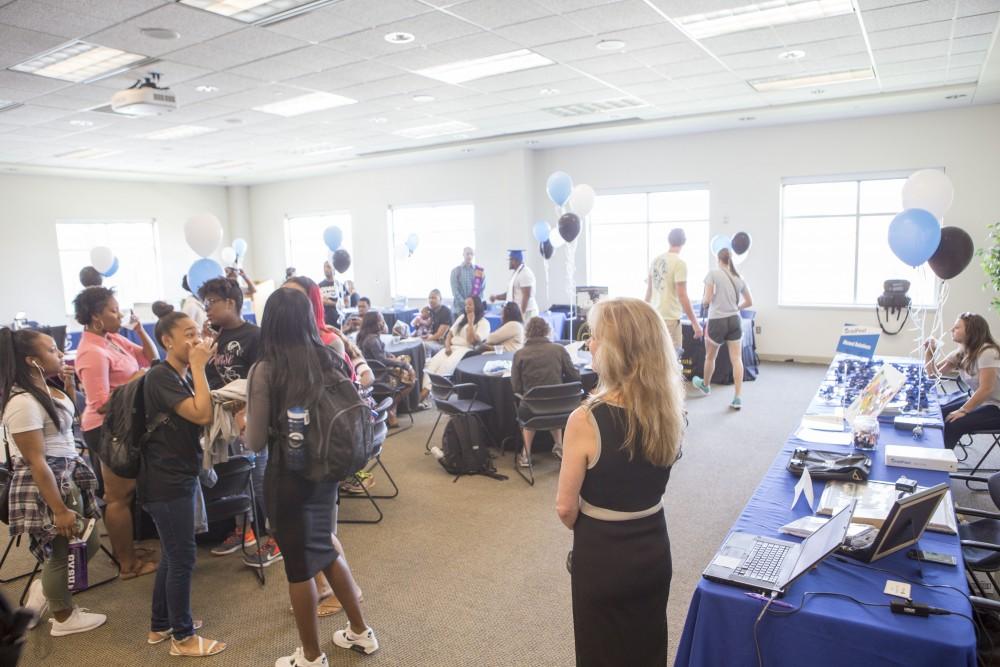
(302, 517)
(620, 583)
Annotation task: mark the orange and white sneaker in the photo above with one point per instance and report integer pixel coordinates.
(233, 542)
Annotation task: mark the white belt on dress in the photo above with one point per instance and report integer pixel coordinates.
(602, 514)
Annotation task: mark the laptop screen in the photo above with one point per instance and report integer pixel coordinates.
(823, 541)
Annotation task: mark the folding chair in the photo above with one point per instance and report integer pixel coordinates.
(544, 408)
(980, 539)
(381, 433)
(382, 388)
(229, 499)
(453, 400)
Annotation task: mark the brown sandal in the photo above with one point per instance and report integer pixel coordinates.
(332, 605)
(206, 647)
(141, 569)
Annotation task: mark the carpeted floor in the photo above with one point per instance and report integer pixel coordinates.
(464, 573)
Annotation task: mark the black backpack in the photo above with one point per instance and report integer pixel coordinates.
(340, 438)
(126, 428)
(464, 448)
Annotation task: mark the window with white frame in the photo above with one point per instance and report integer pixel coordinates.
(134, 243)
(442, 231)
(305, 248)
(834, 243)
(628, 230)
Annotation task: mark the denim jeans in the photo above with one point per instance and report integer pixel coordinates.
(172, 590)
(256, 480)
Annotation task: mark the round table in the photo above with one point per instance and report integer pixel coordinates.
(497, 391)
(414, 349)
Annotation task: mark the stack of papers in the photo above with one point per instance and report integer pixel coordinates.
(832, 421)
(823, 437)
(808, 525)
(499, 367)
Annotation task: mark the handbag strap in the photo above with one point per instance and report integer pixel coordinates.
(733, 283)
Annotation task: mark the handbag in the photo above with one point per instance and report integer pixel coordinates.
(830, 465)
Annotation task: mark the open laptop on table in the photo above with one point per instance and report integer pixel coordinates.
(770, 565)
(905, 523)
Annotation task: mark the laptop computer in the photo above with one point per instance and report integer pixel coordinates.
(770, 565)
(903, 526)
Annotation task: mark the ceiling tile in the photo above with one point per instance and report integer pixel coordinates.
(918, 34)
(616, 16)
(120, 10)
(670, 53)
(271, 69)
(612, 62)
(749, 40)
(396, 85)
(492, 14)
(31, 114)
(258, 96)
(813, 31)
(976, 25)
(974, 59)
(564, 6)
(194, 25)
(678, 8)
(429, 28)
(542, 31)
(960, 74)
(50, 20)
(539, 76)
(370, 44)
(67, 102)
(348, 75)
(237, 48)
(970, 7)
(699, 67)
(912, 13)
(27, 42)
(226, 82)
(29, 83)
(633, 76)
(890, 70)
(170, 73)
(479, 45)
(318, 25)
(973, 43)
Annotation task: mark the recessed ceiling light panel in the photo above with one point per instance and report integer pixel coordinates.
(827, 79)
(258, 12)
(81, 123)
(479, 68)
(178, 132)
(761, 15)
(435, 130)
(79, 61)
(308, 103)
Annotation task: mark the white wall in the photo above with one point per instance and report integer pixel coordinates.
(31, 205)
(744, 169)
(497, 186)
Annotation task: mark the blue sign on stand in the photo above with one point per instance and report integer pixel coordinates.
(858, 341)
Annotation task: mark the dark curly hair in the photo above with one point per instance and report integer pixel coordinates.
(90, 302)
(222, 288)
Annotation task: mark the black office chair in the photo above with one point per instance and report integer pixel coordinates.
(233, 497)
(544, 408)
(962, 391)
(980, 539)
(381, 433)
(383, 387)
(454, 400)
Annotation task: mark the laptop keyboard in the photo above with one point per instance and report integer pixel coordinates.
(764, 562)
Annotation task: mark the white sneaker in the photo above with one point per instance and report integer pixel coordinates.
(557, 452)
(36, 602)
(298, 659)
(522, 461)
(363, 643)
(80, 620)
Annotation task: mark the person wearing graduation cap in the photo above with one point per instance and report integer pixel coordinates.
(521, 289)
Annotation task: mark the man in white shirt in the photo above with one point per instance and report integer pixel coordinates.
(521, 289)
(668, 281)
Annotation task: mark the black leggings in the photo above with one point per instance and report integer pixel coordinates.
(983, 418)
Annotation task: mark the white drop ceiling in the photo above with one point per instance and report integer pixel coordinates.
(922, 53)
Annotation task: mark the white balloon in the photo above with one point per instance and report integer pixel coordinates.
(930, 190)
(228, 256)
(101, 258)
(556, 239)
(581, 201)
(402, 252)
(203, 233)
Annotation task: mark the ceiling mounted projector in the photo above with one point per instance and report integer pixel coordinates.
(144, 98)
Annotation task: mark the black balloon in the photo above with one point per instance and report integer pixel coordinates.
(569, 227)
(546, 249)
(341, 260)
(953, 253)
(741, 242)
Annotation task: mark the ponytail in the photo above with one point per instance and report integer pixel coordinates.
(726, 257)
(15, 347)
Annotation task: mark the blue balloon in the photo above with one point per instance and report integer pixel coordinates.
(333, 237)
(914, 235)
(559, 187)
(201, 272)
(112, 270)
(240, 246)
(541, 231)
(719, 242)
(411, 242)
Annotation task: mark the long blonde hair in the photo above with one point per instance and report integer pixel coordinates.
(637, 367)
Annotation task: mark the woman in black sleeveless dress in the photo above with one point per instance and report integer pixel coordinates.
(619, 447)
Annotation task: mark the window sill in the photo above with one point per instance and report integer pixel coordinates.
(825, 306)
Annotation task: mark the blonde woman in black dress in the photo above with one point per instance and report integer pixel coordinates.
(618, 450)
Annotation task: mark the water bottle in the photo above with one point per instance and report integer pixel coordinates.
(298, 424)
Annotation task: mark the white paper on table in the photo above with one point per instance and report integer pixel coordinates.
(824, 437)
(574, 350)
(804, 485)
(833, 421)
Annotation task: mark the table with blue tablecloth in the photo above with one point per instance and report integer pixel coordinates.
(834, 631)
(693, 356)
(557, 322)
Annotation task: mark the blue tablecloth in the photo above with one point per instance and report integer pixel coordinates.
(830, 631)
(557, 322)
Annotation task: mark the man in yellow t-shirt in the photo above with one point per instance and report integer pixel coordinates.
(668, 282)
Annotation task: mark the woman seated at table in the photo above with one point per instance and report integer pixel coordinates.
(510, 333)
(540, 362)
(977, 361)
(460, 341)
(620, 446)
(401, 373)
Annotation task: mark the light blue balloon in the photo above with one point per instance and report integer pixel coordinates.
(112, 270)
(333, 237)
(201, 272)
(914, 235)
(541, 231)
(240, 246)
(559, 187)
(719, 242)
(411, 242)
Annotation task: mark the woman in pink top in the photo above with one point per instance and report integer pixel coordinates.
(106, 360)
